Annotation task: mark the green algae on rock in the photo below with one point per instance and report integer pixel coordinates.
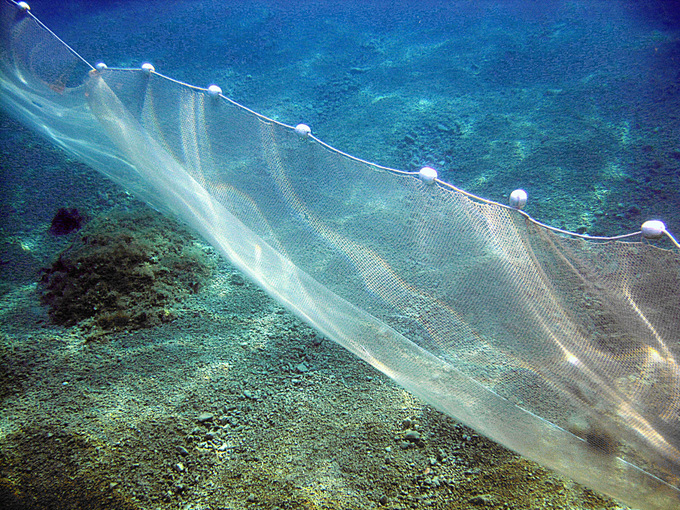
(125, 271)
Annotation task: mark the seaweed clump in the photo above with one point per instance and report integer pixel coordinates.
(66, 220)
(125, 271)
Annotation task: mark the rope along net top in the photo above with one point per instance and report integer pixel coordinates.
(561, 348)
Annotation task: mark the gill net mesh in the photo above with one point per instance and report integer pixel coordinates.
(560, 348)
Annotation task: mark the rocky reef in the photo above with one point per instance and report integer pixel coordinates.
(126, 270)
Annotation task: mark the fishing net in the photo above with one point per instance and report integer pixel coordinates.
(558, 347)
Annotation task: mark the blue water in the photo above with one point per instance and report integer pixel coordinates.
(576, 102)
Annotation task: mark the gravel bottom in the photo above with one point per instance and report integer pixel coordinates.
(236, 404)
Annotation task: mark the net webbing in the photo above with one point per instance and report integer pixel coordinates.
(562, 349)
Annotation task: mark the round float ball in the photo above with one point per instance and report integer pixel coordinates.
(303, 130)
(214, 90)
(653, 229)
(518, 199)
(427, 175)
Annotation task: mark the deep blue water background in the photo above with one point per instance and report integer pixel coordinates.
(577, 102)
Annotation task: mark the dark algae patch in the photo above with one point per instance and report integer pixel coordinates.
(57, 473)
(126, 270)
(66, 220)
